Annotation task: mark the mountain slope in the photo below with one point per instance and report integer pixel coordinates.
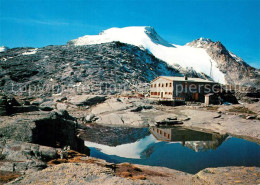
(236, 70)
(193, 56)
(91, 69)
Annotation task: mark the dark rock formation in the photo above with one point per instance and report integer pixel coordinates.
(54, 129)
(3, 105)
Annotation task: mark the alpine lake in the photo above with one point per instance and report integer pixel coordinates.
(172, 147)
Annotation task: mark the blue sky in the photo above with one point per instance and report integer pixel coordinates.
(37, 23)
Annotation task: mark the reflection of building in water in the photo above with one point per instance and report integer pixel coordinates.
(198, 141)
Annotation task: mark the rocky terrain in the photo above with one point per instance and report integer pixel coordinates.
(30, 137)
(87, 170)
(100, 69)
(34, 132)
(236, 70)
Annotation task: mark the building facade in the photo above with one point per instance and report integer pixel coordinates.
(181, 88)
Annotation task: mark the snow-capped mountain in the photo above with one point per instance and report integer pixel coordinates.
(200, 55)
(126, 58)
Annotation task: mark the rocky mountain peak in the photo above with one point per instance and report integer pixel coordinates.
(155, 37)
(236, 70)
(200, 43)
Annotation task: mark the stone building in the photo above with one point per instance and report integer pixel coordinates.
(171, 88)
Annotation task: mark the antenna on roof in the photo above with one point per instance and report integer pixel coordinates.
(185, 76)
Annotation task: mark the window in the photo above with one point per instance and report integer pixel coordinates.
(162, 85)
(154, 85)
(166, 85)
(170, 85)
(151, 85)
(159, 85)
(166, 92)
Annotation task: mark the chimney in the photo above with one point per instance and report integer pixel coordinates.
(186, 77)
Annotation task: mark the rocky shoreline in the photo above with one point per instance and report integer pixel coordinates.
(33, 133)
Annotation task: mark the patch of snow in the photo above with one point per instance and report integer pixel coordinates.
(2, 48)
(238, 59)
(30, 52)
(143, 37)
(146, 37)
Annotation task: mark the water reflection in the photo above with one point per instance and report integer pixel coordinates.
(176, 148)
(145, 146)
(130, 150)
(195, 140)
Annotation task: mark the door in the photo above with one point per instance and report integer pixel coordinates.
(161, 94)
(196, 96)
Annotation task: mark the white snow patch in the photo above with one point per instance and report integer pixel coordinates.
(238, 59)
(146, 37)
(30, 52)
(2, 48)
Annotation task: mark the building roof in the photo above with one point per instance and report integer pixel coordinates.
(182, 79)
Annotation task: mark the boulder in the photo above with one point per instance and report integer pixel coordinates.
(3, 105)
(167, 120)
(25, 108)
(47, 106)
(61, 106)
(123, 119)
(84, 100)
(162, 118)
(227, 175)
(54, 129)
(141, 107)
(21, 156)
(110, 105)
(90, 118)
(251, 117)
(137, 109)
(147, 107)
(61, 99)
(37, 101)
(13, 102)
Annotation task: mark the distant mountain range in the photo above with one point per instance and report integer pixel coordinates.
(124, 56)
